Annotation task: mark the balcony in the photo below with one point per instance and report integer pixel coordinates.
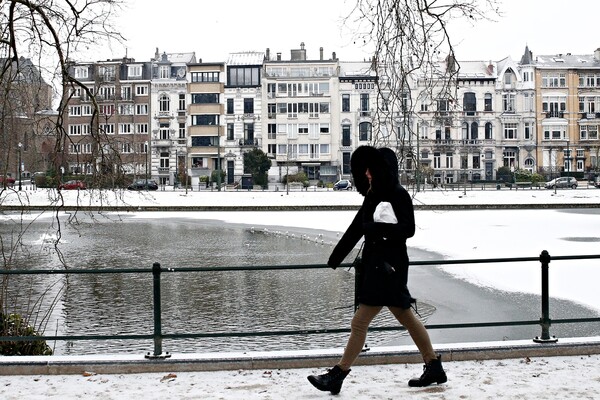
(248, 142)
(555, 114)
(162, 143)
(590, 115)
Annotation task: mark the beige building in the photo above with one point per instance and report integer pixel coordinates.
(206, 84)
(568, 104)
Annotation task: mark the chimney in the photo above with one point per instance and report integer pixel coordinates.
(321, 53)
(278, 56)
(333, 56)
(597, 54)
(268, 54)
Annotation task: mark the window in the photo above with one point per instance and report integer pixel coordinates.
(437, 160)
(243, 76)
(248, 106)
(81, 72)
(141, 109)
(474, 131)
(345, 103)
(164, 71)
(510, 131)
(126, 148)
(528, 134)
(442, 106)
(487, 102)
(141, 128)
(126, 109)
(125, 128)
(107, 110)
(364, 105)
(424, 130)
(106, 92)
(181, 104)
(126, 93)
(324, 128)
(554, 132)
(182, 130)
(272, 131)
(469, 103)
(205, 119)
(230, 106)
(364, 131)
(108, 129)
(141, 90)
(554, 106)
(205, 76)
(205, 98)
(164, 103)
(346, 136)
(204, 140)
(554, 79)
(508, 102)
(324, 108)
(588, 132)
(249, 133)
(74, 111)
(134, 71)
(164, 132)
(449, 160)
(230, 131)
(86, 110)
(528, 99)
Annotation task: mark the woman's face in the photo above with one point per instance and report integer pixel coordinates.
(362, 181)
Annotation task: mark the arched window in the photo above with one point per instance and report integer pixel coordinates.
(474, 128)
(364, 131)
(488, 130)
(465, 131)
(164, 103)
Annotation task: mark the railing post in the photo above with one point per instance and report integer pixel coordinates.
(545, 320)
(156, 270)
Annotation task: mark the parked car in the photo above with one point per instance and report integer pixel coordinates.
(143, 184)
(562, 182)
(72, 185)
(343, 184)
(36, 174)
(7, 180)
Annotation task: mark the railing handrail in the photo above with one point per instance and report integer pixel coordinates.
(544, 258)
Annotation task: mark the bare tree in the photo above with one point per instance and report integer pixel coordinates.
(37, 41)
(414, 59)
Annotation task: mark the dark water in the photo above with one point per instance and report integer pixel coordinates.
(215, 302)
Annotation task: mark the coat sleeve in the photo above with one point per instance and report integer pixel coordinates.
(349, 239)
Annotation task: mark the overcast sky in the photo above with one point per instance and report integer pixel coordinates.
(214, 29)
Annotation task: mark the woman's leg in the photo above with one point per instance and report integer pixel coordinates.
(358, 334)
(417, 331)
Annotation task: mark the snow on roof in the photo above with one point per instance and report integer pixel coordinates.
(246, 58)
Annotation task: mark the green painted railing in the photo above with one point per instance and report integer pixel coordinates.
(158, 335)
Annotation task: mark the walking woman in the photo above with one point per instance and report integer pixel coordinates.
(386, 220)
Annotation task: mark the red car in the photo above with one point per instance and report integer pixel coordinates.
(7, 181)
(72, 185)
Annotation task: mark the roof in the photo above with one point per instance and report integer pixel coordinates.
(246, 58)
(567, 61)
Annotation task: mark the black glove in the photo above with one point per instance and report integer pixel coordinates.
(332, 263)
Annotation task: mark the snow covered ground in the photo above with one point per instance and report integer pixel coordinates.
(454, 234)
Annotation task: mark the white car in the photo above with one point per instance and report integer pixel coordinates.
(343, 184)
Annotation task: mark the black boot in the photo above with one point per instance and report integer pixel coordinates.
(331, 381)
(432, 372)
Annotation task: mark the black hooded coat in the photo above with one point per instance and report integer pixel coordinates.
(384, 277)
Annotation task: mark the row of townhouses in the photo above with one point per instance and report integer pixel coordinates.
(175, 117)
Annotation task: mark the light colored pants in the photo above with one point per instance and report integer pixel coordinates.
(360, 324)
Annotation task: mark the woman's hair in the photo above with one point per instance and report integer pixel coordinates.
(391, 161)
(368, 157)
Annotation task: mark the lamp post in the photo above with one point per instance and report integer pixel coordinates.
(20, 168)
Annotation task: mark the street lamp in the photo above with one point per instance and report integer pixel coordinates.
(20, 168)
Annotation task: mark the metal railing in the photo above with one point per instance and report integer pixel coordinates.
(158, 335)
